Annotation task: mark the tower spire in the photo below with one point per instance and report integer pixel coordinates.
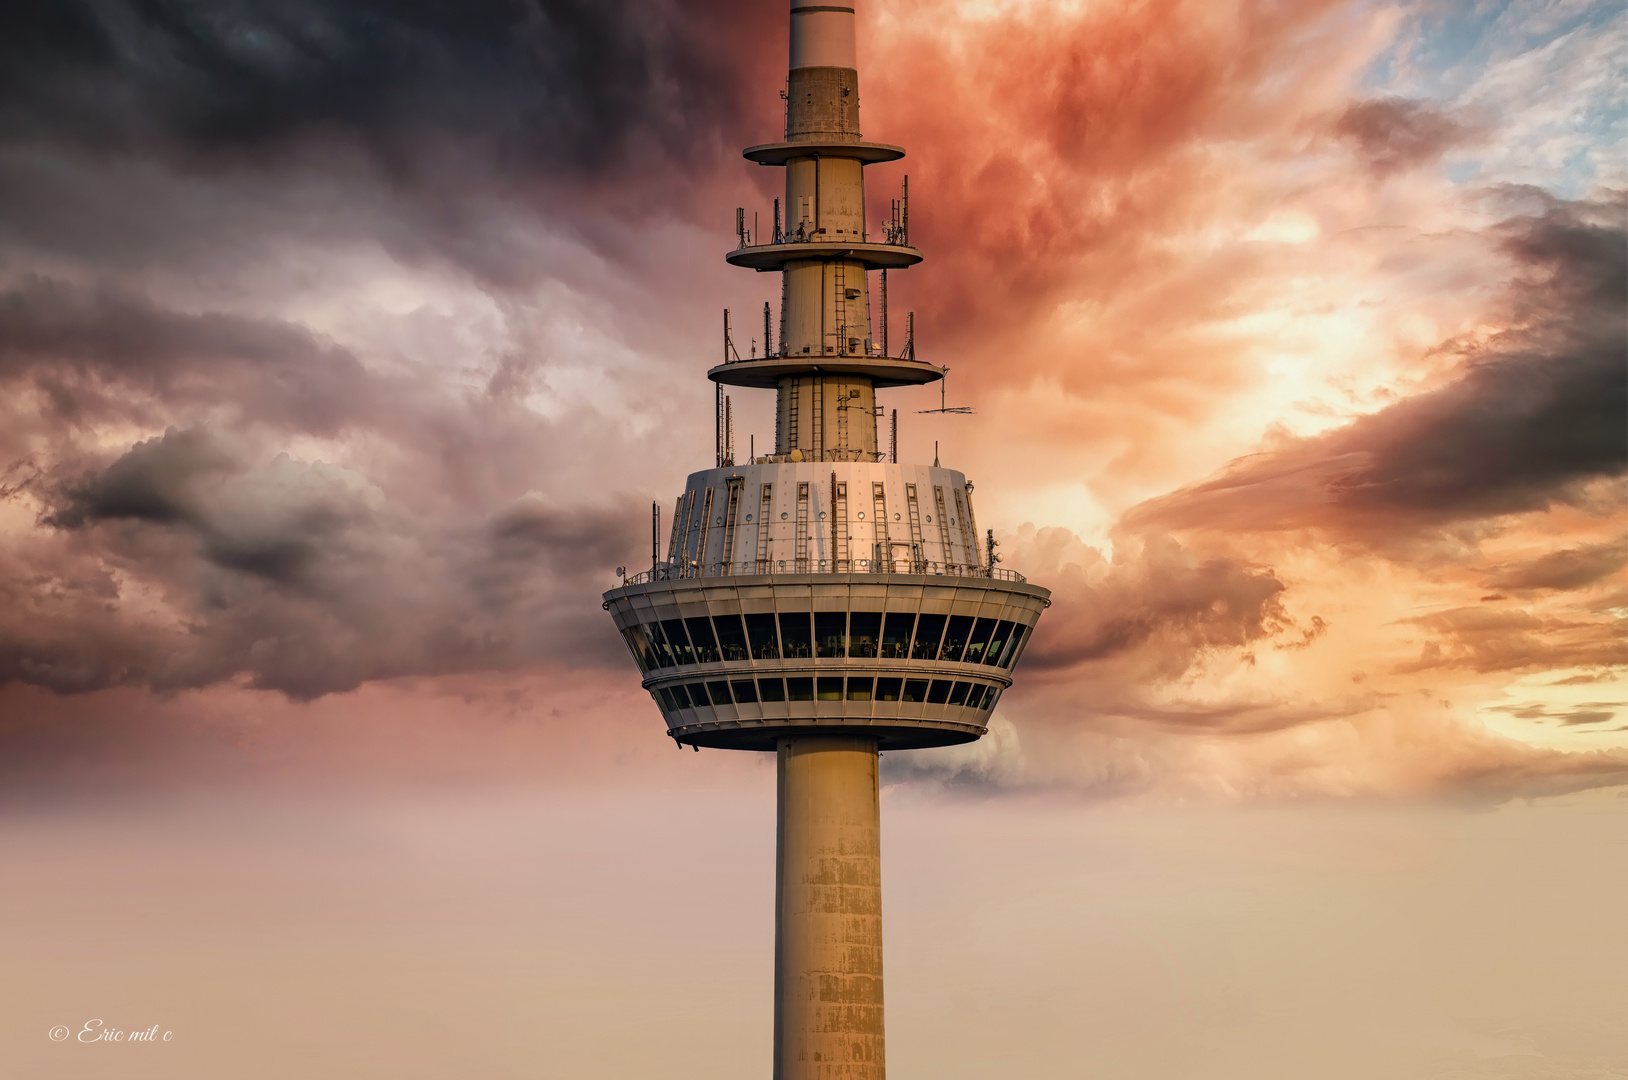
(830, 361)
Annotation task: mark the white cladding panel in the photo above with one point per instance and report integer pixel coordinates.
(823, 38)
(828, 532)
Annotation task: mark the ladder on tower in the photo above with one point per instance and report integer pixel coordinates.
(839, 309)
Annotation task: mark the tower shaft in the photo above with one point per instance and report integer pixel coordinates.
(828, 917)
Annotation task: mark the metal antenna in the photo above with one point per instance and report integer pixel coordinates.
(904, 212)
(718, 398)
(884, 311)
(960, 410)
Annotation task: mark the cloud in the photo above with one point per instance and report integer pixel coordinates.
(560, 86)
(103, 354)
(329, 332)
(1533, 412)
(1065, 147)
(1387, 752)
(1392, 134)
(152, 137)
(1155, 600)
(1568, 568)
(1516, 640)
(1584, 713)
(192, 559)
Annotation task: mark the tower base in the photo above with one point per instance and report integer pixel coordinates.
(828, 911)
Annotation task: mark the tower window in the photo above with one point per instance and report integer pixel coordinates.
(896, 635)
(706, 645)
(997, 642)
(929, 628)
(796, 642)
(976, 644)
(765, 643)
(678, 641)
(658, 644)
(864, 628)
(731, 637)
(830, 633)
(955, 639)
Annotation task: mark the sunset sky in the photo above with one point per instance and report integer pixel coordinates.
(344, 346)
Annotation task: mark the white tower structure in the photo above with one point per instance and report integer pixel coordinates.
(823, 601)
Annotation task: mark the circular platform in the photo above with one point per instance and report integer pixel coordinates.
(868, 153)
(883, 371)
(766, 257)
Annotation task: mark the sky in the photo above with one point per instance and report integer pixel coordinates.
(344, 345)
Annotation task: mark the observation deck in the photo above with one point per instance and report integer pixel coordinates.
(739, 660)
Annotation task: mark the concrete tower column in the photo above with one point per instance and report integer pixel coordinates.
(828, 916)
(822, 89)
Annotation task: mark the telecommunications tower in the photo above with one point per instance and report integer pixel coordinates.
(823, 601)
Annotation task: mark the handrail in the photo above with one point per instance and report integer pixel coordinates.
(772, 567)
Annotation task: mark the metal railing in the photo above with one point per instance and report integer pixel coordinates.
(906, 567)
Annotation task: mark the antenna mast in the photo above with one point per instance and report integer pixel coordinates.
(884, 311)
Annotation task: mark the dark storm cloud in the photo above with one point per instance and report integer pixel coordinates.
(204, 137)
(99, 353)
(201, 481)
(1570, 568)
(1392, 134)
(546, 85)
(1537, 409)
(1158, 604)
(193, 559)
(75, 360)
